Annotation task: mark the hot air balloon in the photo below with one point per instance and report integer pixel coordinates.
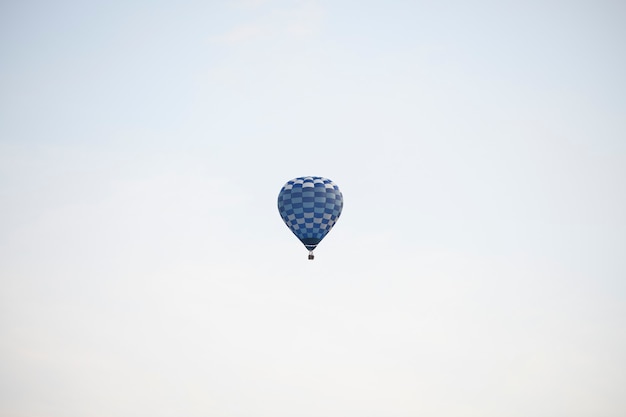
(310, 206)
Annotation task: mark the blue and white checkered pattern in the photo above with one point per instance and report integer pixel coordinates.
(310, 206)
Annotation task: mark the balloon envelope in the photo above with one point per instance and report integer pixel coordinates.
(310, 206)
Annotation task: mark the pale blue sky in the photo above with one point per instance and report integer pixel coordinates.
(477, 270)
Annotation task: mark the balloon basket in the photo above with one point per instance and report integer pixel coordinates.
(311, 257)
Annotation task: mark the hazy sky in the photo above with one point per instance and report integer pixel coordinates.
(478, 268)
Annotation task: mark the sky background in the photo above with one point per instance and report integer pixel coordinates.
(478, 268)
